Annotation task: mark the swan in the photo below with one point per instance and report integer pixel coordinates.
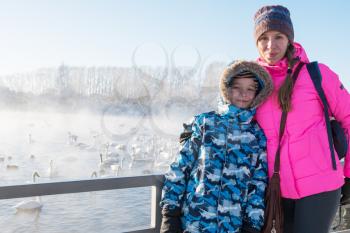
(82, 146)
(30, 139)
(11, 167)
(140, 158)
(52, 171)
(93, 174)
(116, 168)
(102, 175)
(105, 165)
(72, 139)
(120, 149)
(105, 148)
(30, 205)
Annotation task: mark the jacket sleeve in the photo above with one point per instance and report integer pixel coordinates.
(339, 101)
(176, 178)
(254, 210)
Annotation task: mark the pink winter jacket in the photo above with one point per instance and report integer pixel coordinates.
(306, 164)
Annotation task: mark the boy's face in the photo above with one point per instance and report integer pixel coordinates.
(242, 92)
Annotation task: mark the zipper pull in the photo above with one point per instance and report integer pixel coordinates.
(273, 230)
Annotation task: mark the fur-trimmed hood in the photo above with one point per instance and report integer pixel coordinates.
(239, 66)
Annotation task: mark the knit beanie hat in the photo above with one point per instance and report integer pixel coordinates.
(275, 18)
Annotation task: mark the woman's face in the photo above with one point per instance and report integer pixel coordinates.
(242, 92)
(272, 46)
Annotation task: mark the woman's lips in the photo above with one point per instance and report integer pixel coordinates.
(272, 54)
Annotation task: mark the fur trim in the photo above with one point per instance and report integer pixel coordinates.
(237, 67)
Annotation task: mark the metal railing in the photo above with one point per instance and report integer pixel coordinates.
(79, 186)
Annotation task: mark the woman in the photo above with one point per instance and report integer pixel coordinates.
(310, 186)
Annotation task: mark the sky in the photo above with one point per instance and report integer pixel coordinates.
(47, 33)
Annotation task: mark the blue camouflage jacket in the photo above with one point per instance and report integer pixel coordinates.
(218, 181)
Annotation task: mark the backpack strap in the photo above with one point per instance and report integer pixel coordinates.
(316, 78)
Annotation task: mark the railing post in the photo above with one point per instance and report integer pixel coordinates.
(156, 215)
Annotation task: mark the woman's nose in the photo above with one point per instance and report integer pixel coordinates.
(270, 43)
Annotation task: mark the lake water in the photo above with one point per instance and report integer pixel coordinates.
(31, 140)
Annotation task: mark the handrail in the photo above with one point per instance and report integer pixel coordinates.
(99, 184)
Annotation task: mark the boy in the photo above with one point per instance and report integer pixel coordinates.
(217, 183)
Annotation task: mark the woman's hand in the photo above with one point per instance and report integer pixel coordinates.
(345, 191)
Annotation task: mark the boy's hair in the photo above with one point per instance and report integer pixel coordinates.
(245, 74)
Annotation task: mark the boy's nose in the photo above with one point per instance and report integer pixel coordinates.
(245, 94)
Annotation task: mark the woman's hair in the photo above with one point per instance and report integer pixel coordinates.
(285, 91)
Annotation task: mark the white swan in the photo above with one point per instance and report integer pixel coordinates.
(52, 171)
(93, 174)
(82, 146)
(105, 165)
(30, 205)
(116, 168)
(72, 139)
(30, 139)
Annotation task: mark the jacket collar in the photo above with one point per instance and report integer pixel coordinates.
(281, 67)
(242, 116)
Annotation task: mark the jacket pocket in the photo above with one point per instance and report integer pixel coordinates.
(309, 155)
(319, 148)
